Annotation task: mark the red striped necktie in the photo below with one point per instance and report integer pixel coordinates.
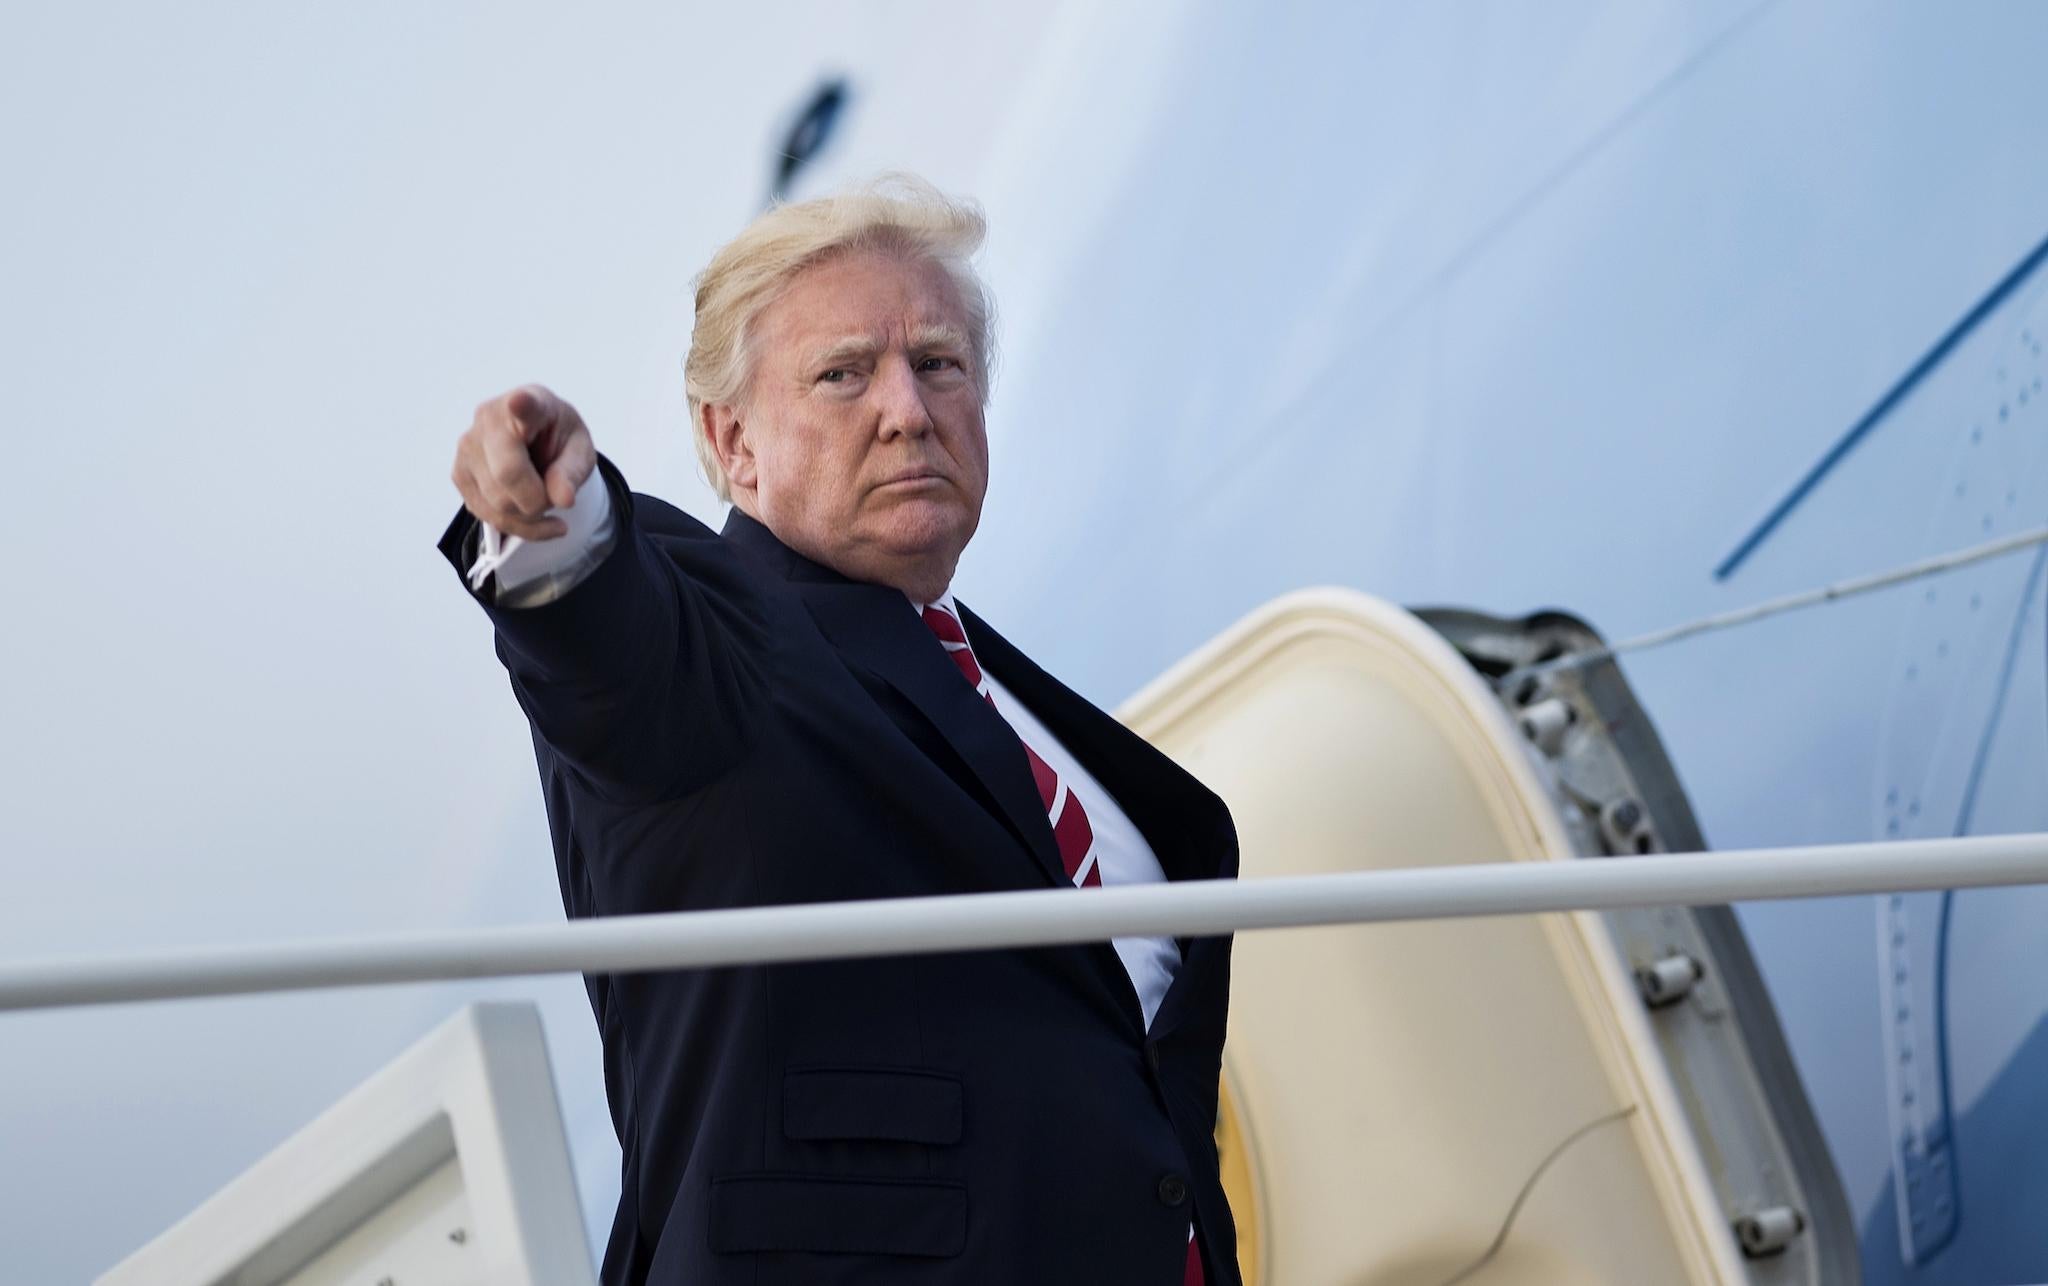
(1070, 828)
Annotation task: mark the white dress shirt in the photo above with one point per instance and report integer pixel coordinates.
(1121, 853)
(532, 572)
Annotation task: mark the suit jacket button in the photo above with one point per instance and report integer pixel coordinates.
(1173, 1191)
(1152, 1056)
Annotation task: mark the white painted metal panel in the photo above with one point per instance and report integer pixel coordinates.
(449, 1165)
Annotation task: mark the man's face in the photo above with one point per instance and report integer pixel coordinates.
(863, 442)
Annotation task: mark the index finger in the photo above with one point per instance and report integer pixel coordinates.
(571, 467)
(533, 410)
(508, 468)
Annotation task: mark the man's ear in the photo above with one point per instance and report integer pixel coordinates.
(721, 426)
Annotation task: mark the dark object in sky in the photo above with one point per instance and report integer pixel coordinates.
(808, 135)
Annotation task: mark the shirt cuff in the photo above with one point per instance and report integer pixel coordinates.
(529, 573)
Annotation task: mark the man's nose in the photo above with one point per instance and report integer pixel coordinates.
(902, 410)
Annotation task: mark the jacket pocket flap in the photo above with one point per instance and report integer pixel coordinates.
(825, 1214)
(871, 1103)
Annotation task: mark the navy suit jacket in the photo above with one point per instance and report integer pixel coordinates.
(720, 722)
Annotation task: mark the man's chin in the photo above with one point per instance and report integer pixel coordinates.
(924, 533)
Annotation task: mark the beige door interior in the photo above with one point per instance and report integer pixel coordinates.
(1472, 1101)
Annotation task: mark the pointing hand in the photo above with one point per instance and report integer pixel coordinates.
(526, 452)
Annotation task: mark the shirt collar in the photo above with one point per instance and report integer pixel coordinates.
(944, 600)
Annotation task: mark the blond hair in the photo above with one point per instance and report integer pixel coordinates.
(896, 213)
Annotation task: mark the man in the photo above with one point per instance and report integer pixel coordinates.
(798, 710)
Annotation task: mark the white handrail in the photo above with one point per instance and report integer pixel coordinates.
(910, 926)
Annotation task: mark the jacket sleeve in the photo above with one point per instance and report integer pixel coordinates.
(642, 677)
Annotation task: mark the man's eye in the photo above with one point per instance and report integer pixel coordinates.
(837, 375)
(937, 363)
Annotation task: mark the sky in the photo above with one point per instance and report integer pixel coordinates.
(1470, 304)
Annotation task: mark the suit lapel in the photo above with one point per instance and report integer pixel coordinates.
(876, 627)
(1188, 827)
